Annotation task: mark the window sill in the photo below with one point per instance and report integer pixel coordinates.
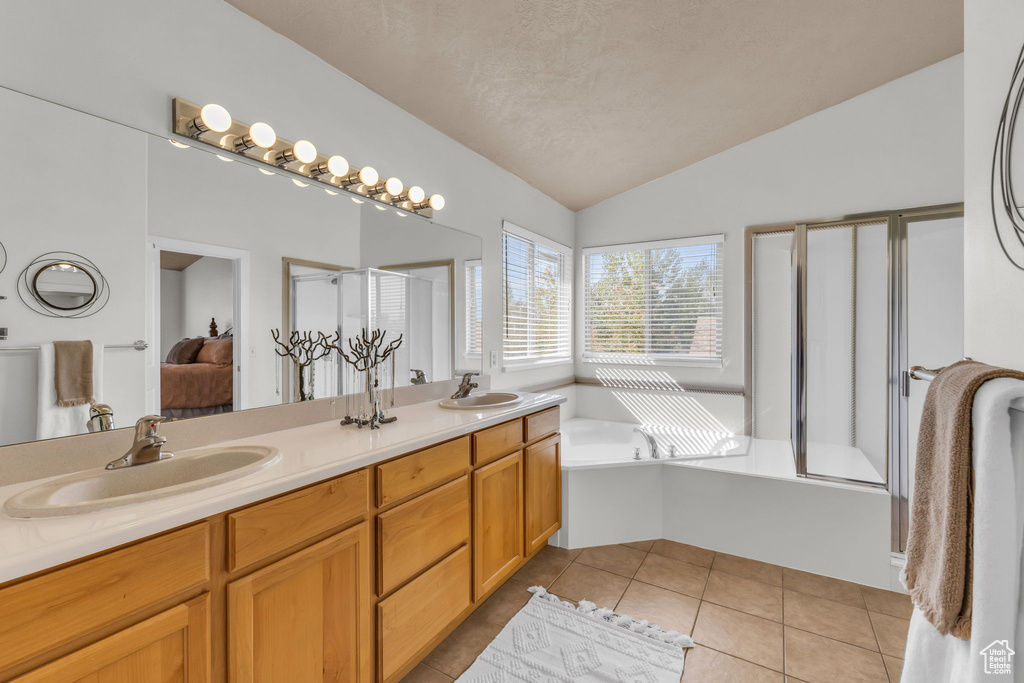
(534, 364)
(654, 362)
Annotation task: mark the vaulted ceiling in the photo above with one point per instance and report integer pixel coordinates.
(584, 99)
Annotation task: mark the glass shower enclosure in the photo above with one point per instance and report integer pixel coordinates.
(836, 310)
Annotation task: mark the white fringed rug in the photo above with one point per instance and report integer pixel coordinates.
(551, 641)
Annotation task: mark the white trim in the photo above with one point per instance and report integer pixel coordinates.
(651, 360)
(658, 244)
(535, 363)
(514, 229)
(240, 327)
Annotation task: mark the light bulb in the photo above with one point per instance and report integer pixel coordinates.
(211, 117)
(335, 165)
(416, 194)
(262, 135)
(393, 186)
(436, 202)
(368, 176)
(304, 151)
(259, 135)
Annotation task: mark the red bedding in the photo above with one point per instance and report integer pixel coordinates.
(195, 385)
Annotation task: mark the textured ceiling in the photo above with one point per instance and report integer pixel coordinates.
(584, 99)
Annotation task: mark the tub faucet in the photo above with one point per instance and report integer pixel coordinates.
(466, 386)
(652, 444)
(147, 444)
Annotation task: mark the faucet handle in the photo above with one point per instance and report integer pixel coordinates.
(672, 450)
(636, 453)
(147, 426)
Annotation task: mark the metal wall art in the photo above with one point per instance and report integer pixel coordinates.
(62, 284)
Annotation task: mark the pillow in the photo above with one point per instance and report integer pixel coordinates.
(216, 351)
(185, 351)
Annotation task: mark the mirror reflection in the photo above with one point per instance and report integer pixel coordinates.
(204, 258)
(64, 286)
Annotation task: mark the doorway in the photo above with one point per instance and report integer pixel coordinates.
(197, 307)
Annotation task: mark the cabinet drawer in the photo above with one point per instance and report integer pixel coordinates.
(494, 442)
(260, 531)
(416, 534)
(41, 613)
(541, 424)
(411, 618)
(418, 472)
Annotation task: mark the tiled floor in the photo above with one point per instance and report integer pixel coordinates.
(753, 622)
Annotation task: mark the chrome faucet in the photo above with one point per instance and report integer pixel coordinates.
(147, 444)
(466, 386)
(420, 377)
(652, 444)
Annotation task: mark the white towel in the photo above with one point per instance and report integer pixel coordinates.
(998, 559)
(54, 421)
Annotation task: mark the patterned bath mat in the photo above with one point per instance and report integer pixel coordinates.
(552, 641)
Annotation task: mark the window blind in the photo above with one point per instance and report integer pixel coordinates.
(655, 301)
(474, 308)
(537, 298)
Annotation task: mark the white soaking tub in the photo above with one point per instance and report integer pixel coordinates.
(728, 493)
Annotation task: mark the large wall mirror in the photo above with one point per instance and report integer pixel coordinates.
(204, 257)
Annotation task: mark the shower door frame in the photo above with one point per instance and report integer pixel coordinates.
(897, 362)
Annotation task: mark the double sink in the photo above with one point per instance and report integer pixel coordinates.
(100, 489)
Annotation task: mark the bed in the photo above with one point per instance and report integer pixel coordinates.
(204, 386)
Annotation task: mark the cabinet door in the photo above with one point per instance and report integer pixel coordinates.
(305, 618)
(169, 647)
(543, 492)
(497, 522)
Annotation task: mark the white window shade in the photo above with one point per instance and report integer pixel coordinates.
(537, 299)
(655, 302)
(474, 308)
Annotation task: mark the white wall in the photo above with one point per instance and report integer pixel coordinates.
(125, 60)
(993, 288)
(900, 145)
(208, 293)
(96, 215)
(172, 323)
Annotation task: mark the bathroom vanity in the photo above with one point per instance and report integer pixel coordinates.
(353, 576)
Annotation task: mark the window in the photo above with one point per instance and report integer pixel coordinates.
(474, 308)
(538, 298)
(655, 302)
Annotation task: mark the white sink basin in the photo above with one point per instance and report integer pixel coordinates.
(99, 489)
(497, 399)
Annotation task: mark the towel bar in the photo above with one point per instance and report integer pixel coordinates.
(138, 345)
(919, 372)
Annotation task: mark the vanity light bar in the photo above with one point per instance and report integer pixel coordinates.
(211, 124)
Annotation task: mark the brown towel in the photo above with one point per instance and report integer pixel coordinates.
(940, 563)
(72, 372)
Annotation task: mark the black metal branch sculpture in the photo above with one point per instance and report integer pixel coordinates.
(304, 349)
(367, 353)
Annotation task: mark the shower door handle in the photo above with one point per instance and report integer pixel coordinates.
(905, 384)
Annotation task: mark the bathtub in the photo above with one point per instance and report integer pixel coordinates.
(725, 492)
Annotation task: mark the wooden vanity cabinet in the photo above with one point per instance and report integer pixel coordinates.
(289, 588)
(542, 492)
(170, 647)
(306, 617)
(497, 522)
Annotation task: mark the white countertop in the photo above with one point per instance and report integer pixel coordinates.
(309, 454)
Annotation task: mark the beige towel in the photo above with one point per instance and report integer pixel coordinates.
(939, 548)
(72, 372)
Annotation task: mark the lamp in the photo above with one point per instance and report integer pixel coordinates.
(388, 191)
(259, 135)
(367, 176)
(336, 166)
(302, 151)
(212, 117)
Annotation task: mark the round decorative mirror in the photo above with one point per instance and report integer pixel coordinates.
(64, 286)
